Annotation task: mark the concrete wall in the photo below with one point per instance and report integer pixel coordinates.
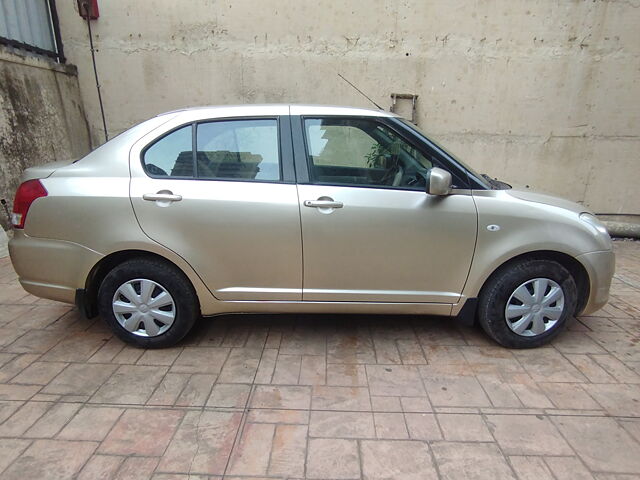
(544, 93)
(41, 118)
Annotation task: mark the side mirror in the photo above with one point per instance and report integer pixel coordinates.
(438, 181)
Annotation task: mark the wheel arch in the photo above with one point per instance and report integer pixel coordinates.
(575, 268)
(88, 300)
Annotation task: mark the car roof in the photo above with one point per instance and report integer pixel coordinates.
(278, 109)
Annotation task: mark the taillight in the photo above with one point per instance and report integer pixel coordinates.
(25, 196)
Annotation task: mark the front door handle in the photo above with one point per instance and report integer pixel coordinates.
(162, 196)
(323, 204)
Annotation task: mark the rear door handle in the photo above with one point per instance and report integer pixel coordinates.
(161, 197)
(323, 204)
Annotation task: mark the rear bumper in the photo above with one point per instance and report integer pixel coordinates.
(52, 269)
(600, 266)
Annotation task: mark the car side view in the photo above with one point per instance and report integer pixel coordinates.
(296, 208)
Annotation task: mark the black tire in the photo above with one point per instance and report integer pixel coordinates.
(496, 293)
(187, 308)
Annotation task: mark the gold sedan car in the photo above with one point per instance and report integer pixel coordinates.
(293, 208)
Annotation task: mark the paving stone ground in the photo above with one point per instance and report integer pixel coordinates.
(319, 397)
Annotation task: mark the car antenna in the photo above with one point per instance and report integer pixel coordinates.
(361, 92)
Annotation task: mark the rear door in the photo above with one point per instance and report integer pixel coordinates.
(221, 194)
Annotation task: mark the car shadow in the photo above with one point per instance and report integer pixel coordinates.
(269, 330)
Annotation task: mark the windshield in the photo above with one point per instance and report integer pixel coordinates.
(481, 178)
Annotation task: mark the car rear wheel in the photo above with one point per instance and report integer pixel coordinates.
(527, 303)
(148, 303)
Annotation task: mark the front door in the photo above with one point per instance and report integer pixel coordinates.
(214, 193)
(370, 232)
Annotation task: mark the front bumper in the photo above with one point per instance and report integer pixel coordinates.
(49, 268)
(600, 266)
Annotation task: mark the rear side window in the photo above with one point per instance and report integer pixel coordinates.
(224, 150)
(171, 156)
(238, 149)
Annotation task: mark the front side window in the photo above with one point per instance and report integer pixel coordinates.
(238, 149)
(362, 152)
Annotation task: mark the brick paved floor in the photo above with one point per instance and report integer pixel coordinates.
(319, 397)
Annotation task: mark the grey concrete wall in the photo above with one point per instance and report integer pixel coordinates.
(41, 118)
(544, 93)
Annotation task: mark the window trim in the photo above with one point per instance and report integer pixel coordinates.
(282, 126)
(445, 162)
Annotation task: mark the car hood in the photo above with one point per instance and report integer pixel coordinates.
(547, 200)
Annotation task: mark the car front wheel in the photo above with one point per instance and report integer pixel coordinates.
(148, 303)
(527, 303)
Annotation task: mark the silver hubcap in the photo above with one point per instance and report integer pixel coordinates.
(534, 307)
(144, 307)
